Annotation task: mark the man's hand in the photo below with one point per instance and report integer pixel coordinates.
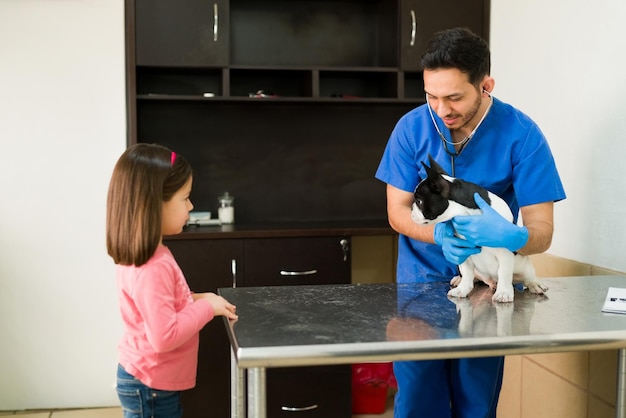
(490, 229)
(455, 250)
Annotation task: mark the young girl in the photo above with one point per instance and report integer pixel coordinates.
(158, 354)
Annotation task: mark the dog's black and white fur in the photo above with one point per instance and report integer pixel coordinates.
(439, 198)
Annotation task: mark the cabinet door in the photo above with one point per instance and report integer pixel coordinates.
(189, 33)
(419, 20)
(309, 392)
(207, 266)
(297, 261)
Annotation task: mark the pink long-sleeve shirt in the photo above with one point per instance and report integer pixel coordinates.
(161, 323)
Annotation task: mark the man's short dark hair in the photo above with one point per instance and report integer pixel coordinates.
(458, 48)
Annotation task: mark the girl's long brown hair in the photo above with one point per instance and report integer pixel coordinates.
(145, 176)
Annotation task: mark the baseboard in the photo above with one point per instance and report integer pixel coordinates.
(548, 265)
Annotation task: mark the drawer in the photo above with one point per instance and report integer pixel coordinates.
(297, 261)
(307, 392)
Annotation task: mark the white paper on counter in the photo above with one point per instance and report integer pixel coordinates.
(615, 300)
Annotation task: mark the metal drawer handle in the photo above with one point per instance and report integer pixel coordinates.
(294, 409)
(297, 273)
(413, 28)
(215, 22)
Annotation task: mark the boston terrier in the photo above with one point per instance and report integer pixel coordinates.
(439, 198)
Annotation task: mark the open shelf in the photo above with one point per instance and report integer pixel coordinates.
(288, 83)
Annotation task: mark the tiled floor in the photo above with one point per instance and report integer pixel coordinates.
(117, 413)
(74, 413)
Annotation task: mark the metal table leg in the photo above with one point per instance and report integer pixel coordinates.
(237, 388)
(257, 407)
(620, 405)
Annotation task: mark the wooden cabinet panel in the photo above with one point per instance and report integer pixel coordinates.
(206, 263)
(207, 266)
(306, 155)
(308, 392)
(182, 33)
(313, 33)
(297, 261)
(283, 163)
(419, 20)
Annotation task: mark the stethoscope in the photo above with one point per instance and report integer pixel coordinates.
(453, 154)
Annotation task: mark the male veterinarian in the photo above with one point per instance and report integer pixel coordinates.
(476, 137)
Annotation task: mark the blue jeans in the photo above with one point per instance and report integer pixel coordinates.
(140, 401)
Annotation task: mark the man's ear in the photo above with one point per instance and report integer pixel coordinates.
(487, 84)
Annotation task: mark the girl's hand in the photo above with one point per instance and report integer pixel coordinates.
(221, 307)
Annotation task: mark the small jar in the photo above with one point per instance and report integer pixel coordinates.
(226, 210)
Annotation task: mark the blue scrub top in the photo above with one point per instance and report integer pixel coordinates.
(508, 156)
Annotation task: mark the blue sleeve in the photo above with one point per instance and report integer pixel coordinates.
(397, 166)
(535, 175)
(411, 141)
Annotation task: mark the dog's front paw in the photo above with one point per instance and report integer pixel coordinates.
(503, 294)
(537, 287)
(459, 292)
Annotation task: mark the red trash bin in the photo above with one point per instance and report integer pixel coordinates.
(370, 387)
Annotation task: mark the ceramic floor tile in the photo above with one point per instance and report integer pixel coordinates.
(117, 413)
(509, 405)
(89, 413)
(573, 366)
(600, 409)
(546, 395)
(603, 375)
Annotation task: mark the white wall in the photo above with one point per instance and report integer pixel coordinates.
(562, 62)
(62, 126)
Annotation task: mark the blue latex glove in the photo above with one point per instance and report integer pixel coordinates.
(490, 229)
(455, 249)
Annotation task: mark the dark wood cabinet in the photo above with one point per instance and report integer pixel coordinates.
(309, 392)
(207, 267)
(292, 50)
(419, 20)
(208, 264)
(288, 106)
(182, 33)
(297, 261)
(335, 75)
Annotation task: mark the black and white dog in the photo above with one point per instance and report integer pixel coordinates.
(439, 198)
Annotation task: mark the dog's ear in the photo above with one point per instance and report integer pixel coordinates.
(436, 183)
(436, 167)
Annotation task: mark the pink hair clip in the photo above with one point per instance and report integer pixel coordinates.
(173, 158)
